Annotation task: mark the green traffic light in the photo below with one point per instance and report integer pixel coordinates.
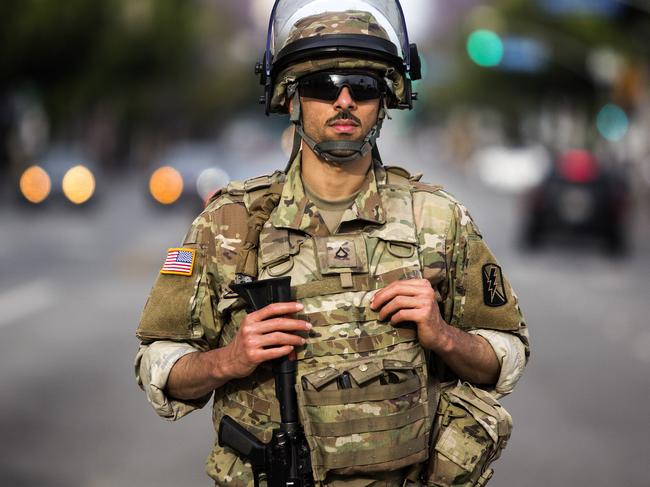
(485, 48)
(612, 122)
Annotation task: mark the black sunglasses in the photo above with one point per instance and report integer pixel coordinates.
(326, 86)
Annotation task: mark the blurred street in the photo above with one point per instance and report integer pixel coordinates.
(74, 283)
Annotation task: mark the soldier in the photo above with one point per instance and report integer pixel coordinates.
(404, 328)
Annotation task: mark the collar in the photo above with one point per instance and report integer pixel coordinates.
(295, 211)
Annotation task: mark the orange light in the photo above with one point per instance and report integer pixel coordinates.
(35, 184)
(166, 185)
(78, 184)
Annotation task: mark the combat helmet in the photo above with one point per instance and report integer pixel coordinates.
(306, 36)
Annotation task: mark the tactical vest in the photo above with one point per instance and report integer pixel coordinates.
(366, 397)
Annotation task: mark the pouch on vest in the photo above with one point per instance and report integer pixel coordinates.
(472, 430)
(363, 416)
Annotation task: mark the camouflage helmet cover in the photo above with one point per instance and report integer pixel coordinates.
(330, 23)
(326, 23)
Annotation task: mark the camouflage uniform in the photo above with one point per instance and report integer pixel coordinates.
(396, 228)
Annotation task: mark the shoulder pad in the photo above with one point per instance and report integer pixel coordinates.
(400, 171)
(237, 188)
(256, 187)
(216, 194)
(398, 176)
(428, 187)
(222, 197)
(261, 182)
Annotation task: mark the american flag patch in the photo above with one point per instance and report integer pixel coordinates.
(179, 261)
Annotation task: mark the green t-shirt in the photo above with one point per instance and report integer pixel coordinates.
(331, 210)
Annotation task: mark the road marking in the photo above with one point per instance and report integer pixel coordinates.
(20, 302)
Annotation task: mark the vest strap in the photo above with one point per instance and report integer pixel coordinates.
(335, 317)
(259, 212)
(370, 457)
(359, 345)
(364, 425)
(370, 393)
(361, 282)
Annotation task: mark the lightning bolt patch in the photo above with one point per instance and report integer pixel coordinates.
(493, 291)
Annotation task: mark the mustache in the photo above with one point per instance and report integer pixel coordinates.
(343, 115)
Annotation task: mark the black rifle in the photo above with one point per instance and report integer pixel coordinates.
(285, 459)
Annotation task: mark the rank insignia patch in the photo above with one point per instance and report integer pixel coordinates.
(341, 253)
(494, 293)
(179, 262)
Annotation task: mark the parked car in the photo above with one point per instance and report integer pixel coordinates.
(579, 196)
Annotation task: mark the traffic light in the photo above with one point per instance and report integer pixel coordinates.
(612, 122)
(485, 48)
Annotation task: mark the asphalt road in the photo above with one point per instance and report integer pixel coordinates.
(74, 282)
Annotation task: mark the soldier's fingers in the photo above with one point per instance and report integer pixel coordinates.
(273, 353)
(403, 315)
(275, 309)
(403, 288)
(281, 324)
(397, 303)
(278, 338)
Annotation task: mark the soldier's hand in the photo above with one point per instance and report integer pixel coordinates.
(265, 334)
(411, 300)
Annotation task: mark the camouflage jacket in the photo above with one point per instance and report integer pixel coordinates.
(439, 237)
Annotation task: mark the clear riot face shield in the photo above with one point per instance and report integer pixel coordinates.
(282, 49)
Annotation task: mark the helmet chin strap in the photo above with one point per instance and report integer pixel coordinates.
(328, 149)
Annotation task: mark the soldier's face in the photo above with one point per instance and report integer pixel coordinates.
(342, 119)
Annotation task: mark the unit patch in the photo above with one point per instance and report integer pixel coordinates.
(179, 262)
(494, 293)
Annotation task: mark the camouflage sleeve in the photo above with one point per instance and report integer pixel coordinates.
(479, 295)
(475, 295)
(153, 363)
(182, 302)
(511, 353)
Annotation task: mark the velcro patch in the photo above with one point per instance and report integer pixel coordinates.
(341, 253)
(179, 262)
(494, 293)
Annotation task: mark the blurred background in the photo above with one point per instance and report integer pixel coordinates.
(119, 118)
